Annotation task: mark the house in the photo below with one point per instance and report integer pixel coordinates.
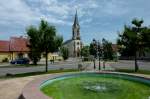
(16, 48)
(4, 50)
(13, 49)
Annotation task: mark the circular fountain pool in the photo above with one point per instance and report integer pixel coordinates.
(97, 86)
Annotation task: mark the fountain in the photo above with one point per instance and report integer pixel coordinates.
(100, 86)
(90, 85)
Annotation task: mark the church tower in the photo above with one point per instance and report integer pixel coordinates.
(74, 45)
(76, 36)
(76, 28)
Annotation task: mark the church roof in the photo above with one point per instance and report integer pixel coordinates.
(68, 41)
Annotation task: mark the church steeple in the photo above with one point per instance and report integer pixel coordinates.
(76, 28)
(76, 19)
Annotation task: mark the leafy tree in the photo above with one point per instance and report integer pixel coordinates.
(45, 39)
(126, 45)
(49, 41)
(35, 53)
(134, 40)
(65, 53)
(85, 51)
(145, 39)
(93, 50)
(107, 50)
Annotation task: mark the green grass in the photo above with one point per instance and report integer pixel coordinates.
(72, 88)
(147, 72)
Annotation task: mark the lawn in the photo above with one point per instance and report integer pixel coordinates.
(74, 88)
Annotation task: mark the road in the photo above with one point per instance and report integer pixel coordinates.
(123, 64)
(16, 70)
(71, 63)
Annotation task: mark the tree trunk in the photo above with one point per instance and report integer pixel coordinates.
(104, 64)
(136, 64)
(94, 64)
(46, 62)
(99, 64)
(34, 62)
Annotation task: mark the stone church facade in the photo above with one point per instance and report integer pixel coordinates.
(74, 45)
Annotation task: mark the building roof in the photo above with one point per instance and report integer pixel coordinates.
(4, 46)
(68, 41)
(15, 44)
(115, 47)
(18, 44)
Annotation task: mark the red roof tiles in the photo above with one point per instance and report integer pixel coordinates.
(4, 46)
(115, 47)
(16, 44)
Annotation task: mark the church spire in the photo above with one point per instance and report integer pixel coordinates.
(76, 19)
(76, 27)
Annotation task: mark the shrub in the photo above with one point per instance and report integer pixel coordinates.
(5, 60)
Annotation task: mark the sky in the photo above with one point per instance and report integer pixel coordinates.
(97, 18)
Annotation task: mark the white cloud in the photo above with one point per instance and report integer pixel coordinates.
(85, 21)
(18, 12)
(114, 7)
(15, 12)
(29, 11)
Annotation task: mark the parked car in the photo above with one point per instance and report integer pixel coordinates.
(20, 61)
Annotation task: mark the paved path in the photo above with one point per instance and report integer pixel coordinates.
(12, 88)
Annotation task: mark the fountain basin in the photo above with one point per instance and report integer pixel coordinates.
(91, 85)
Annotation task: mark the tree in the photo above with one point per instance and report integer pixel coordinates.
(33, 36)
(85, 52)
(93, 50)
(45, 40)
(107, 50)
(100, 52)
(65, 53)
(49, 41)
(134, 40)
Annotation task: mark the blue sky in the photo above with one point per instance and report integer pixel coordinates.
(98, 18)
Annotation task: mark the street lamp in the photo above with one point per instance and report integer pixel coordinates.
(95, 51)
(99, 53)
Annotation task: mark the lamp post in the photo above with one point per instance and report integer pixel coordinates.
(99, 53)
(95, 51)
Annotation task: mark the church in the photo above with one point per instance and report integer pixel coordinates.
(74, 45)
